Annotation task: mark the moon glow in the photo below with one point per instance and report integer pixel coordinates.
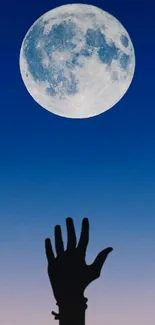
(77, 61)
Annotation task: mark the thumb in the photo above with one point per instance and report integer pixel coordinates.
(99, 260)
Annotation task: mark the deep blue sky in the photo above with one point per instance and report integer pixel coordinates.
(103, 168)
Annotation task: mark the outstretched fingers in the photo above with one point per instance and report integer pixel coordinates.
(49, 250)
(84, 237)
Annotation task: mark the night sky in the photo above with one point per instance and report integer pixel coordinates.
(102, 168)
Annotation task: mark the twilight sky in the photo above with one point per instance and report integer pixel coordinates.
(101, 168)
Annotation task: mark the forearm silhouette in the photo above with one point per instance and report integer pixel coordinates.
(70, 275)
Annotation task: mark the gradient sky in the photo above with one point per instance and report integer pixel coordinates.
(102, 168)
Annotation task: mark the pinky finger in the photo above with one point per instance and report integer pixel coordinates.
(49, 250)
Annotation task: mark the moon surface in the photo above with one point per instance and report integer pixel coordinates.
(77, 61)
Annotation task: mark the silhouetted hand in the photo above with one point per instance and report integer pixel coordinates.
(68, 272)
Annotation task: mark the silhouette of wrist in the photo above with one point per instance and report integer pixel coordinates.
(71, 312)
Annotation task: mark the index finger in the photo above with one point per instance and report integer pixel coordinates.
(84, 237)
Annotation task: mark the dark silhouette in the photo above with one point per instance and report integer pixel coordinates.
(70, 275)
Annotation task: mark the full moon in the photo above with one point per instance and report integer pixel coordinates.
(77, 61)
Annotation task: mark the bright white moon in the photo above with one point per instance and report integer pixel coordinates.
(77, 61)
